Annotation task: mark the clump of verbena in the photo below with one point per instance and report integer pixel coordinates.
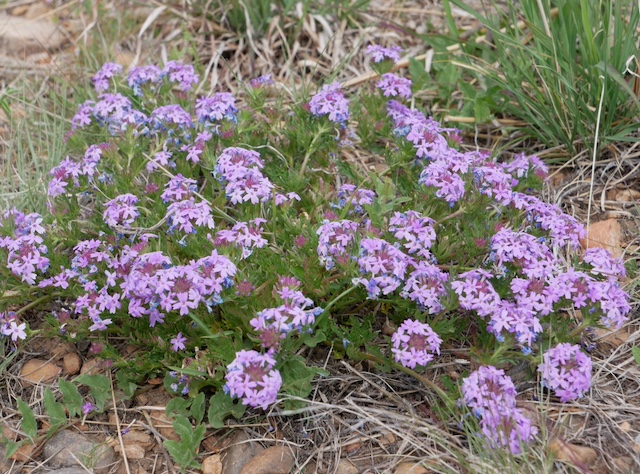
(227, 234)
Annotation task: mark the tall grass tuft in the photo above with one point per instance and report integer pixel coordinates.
(553, 64)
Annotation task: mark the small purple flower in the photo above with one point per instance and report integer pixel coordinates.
(566, 370)
(253, 378)
(335, 240)
(330, 101)
(178, 342)
(104, 75)
(603, 263)
(491, 396)
(121, 210)
(141, 75)
(14, 330)
(88, 408)
(349, 195)
(219, 106)
(182, 74)
(261, 81)
(414, 344)
(392, 85)
(379, 54)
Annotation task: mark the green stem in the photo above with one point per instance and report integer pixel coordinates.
(36, 302)
(451, 216)
(423, 380)
(336, 299)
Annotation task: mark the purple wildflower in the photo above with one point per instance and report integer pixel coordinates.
(10, 328)
(426, 285)
(104, 75)
(182, 74)
(522, 165)
(348, 195)
(392, 85)
(524, 251)
(219, 106)
(330, 101)
(491, 396)
(603, 263)
(414, 231)
(178, 188)
(379, 54)
(414, 344)
(247, 236)
(177, 343)
(335, 240)
(88, 408)
(141, 75)
(566, 370)
(261, 81)
(188, 214)
(384, 264)
(121, 210)
(475, 292)
(253, 378)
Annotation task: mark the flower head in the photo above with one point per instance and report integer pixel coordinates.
(330, 101)
(379, 54)
(566, 370)
(414, 344)
(253, 378)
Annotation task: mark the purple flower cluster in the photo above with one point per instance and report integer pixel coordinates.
(414, 344)
(491, 396)
(141, 75)
(182, 74)
(253, 378)
(187, 215)
(24, 245)
(121, 211)
(392, 85)
(103, 77)
(220, 106)
(523, 251)
(336, 241)
(244, 235)
(240, 170)
(297, 313)
(378, 54)
(69, 171)
(566, 370)
(330, 100)
(414, 231)
(383, 264)
(426, 286)
(261, 81)
(349, 196)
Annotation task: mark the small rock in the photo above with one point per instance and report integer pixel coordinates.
(572, 453)
(387, 438)
(92, 367)
(21, 36)
(212, 444)
(139, 437)
(605, 234)
(627, 195)
(410, 468)
(239, 453)
(273, 460)
(61, 349)
(35, 371)
(65, 447)
(212, 465)
(131, 450)
(71, 363)
(346, 467)
(625, 426)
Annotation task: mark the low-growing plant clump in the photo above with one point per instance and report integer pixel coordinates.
(227, 235)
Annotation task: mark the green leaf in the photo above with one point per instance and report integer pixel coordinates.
(419, 76)
(29, 424)
(481, 111)
(297, 377)
(125, 384)
(221, 406)
(11, 447)
(197, 408)
(71, 397)
(178, 407)
(183, 428)
(99, 386)
(55, 410)
(636, 354)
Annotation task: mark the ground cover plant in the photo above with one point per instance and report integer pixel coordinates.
(228, 237)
